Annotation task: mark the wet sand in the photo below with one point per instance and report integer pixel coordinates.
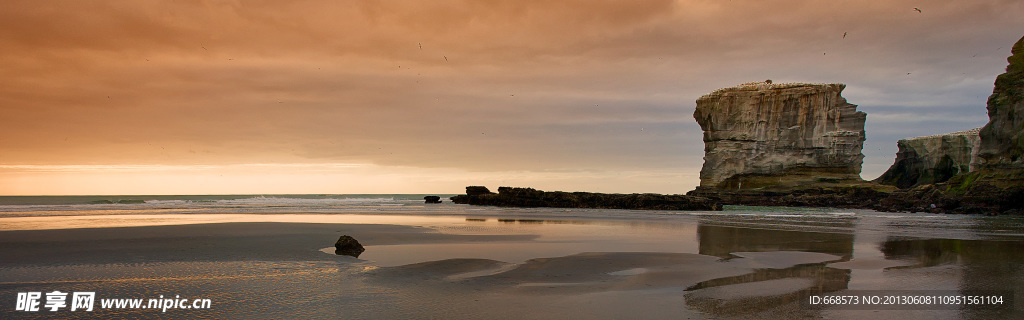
(246, 241)
(502, 269)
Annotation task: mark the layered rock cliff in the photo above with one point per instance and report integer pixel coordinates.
(774, 130)
(784, 145)
(933, 159)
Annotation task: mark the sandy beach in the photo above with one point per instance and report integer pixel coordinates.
(502, 268)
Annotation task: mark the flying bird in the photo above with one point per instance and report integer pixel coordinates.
(918, 10)
(445, 58)
(421, 45)
(844, 35)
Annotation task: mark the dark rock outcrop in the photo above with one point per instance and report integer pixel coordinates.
(840, 196)
(958, 195)
(432, 199)
(477, 190)
(932, 159)
(347, 245)
(529, 197)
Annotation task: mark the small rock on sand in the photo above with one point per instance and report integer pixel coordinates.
(347, 245)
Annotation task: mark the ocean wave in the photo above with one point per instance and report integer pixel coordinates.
(76, 205)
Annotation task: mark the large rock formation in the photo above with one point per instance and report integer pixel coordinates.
(529, 197)
(997, 186)
(762, 130)
(933, 159)
(784, 145)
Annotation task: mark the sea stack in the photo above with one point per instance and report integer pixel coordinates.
(794, 144)
(758, 130)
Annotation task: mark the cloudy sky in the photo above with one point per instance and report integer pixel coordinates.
(216, 97)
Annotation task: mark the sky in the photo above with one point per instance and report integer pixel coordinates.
(242, 97)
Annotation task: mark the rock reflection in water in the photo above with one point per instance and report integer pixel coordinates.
(981, 265)
(933, 252)
(722, 241)
(778, 287)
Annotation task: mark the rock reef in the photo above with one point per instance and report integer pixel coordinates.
(767, 129)
(933, 159)
(856, 195)
(529, 197)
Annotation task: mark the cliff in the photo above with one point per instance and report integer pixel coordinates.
(997, 185)
(1002, 139)
(933, 159)
(529, 197)
(777, 130)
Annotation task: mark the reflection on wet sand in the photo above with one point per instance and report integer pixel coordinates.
(982, 264)
(818, 279)
(722, 296)
(722, 241)
(933, 252)
(978, 264)
(512, 263)
(736, 270)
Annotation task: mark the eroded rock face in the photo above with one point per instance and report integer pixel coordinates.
(933, 159)
(1002, 139)
(779, 129)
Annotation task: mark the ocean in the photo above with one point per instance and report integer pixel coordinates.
(271, 256)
